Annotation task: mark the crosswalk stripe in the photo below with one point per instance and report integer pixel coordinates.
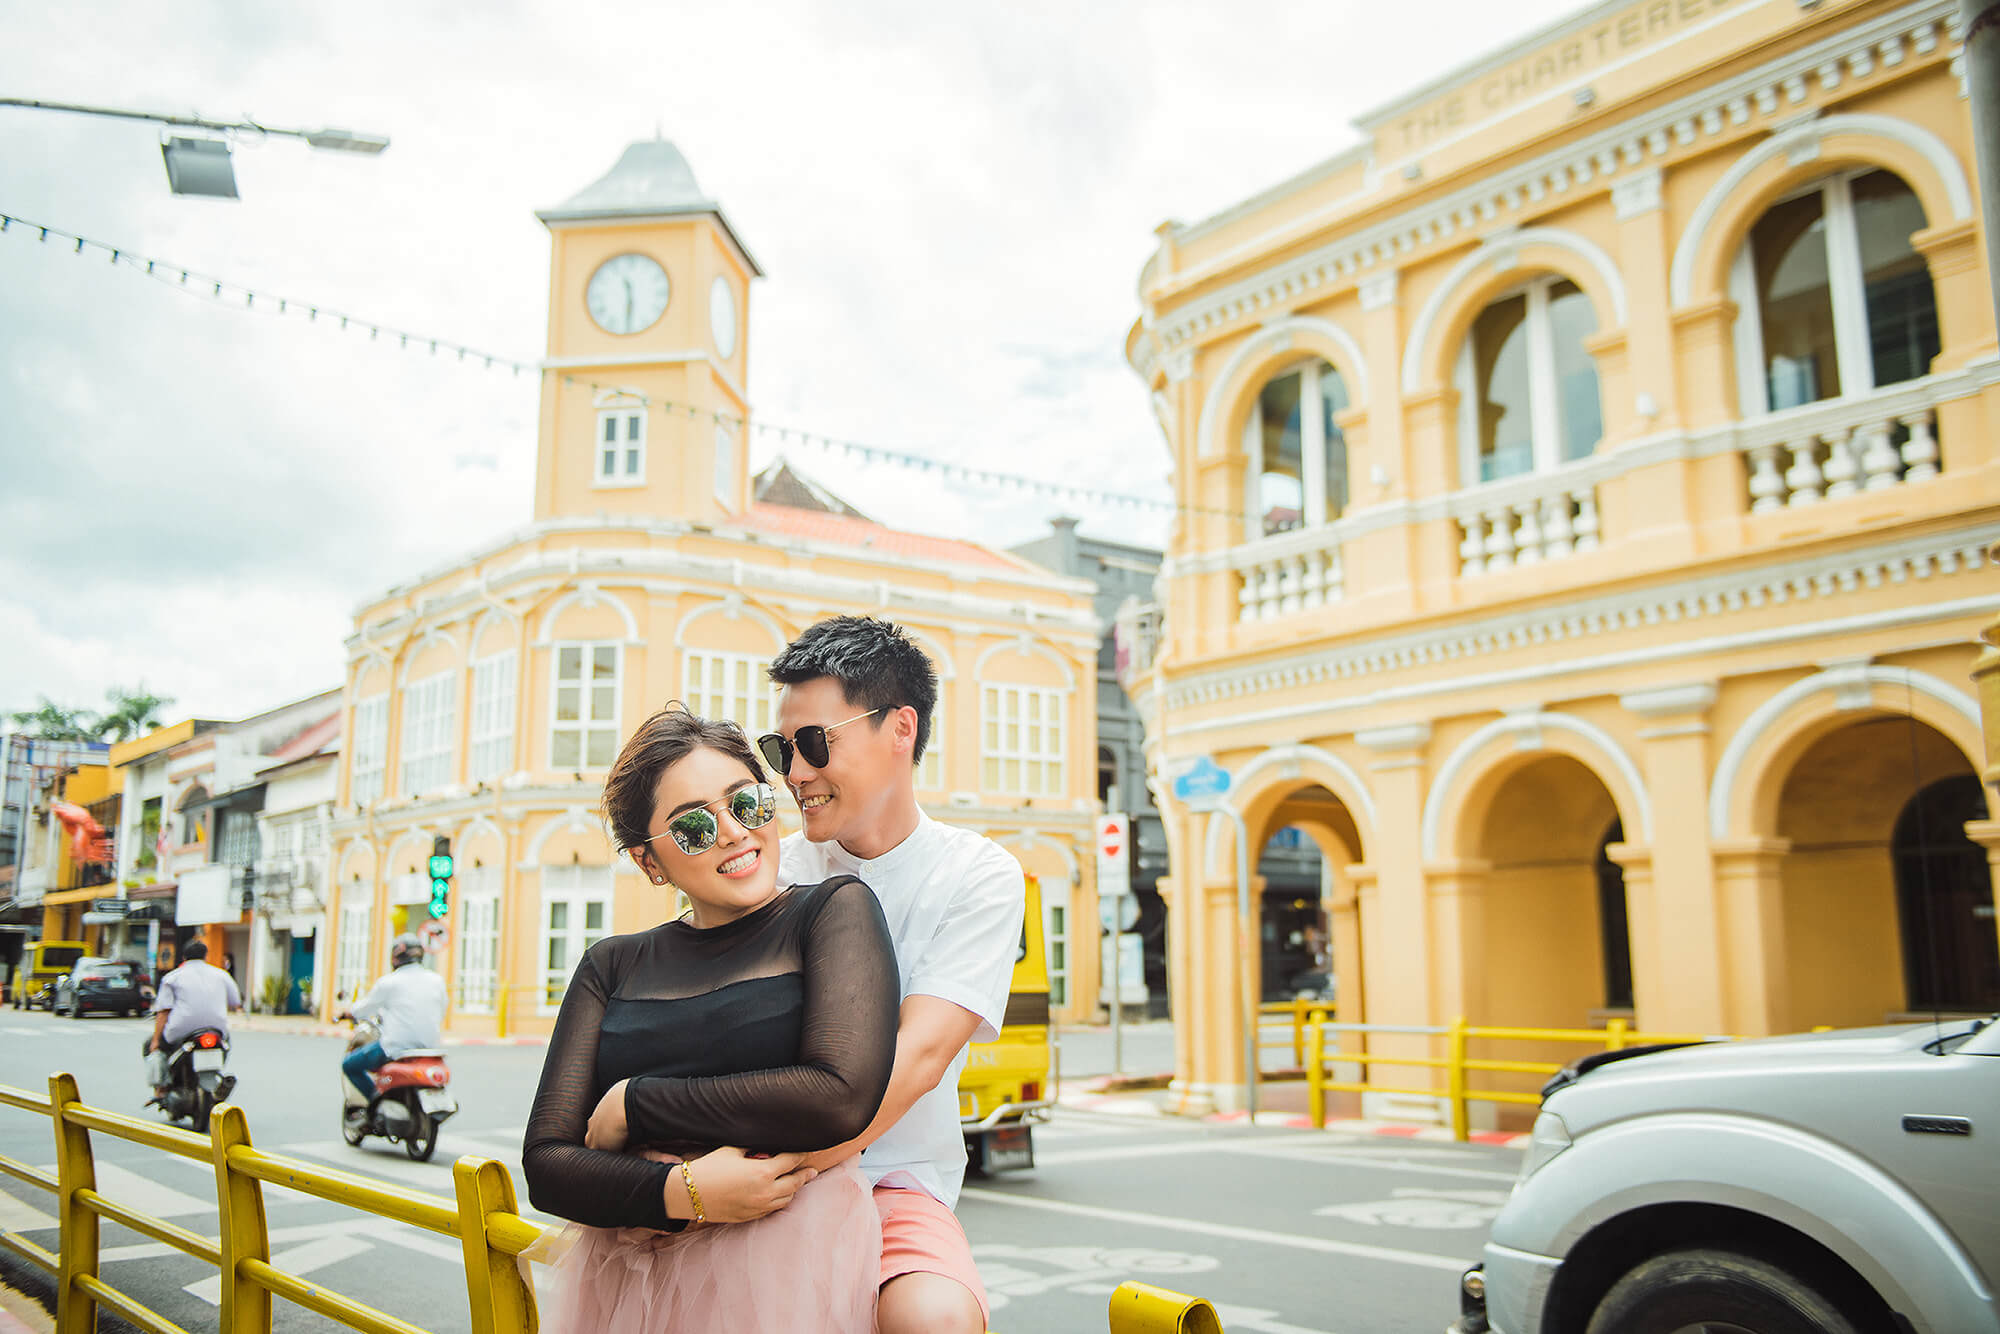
(299, 1260)
(18, 1216)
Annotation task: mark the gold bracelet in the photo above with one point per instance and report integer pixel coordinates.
(694, 1196)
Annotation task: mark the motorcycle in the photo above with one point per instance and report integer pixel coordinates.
(197, 1078)
(410, 1101)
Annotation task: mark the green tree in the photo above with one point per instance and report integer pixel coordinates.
(51, 722)
(133, 713)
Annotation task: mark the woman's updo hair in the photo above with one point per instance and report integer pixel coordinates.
(661, 742)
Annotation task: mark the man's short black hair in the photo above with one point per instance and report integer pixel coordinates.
(195, 949)
(876, 662)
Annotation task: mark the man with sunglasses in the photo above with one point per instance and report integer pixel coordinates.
(853, 720)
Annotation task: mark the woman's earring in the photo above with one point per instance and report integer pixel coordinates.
(659, 880)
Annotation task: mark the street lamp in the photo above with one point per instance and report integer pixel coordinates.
(201, 165)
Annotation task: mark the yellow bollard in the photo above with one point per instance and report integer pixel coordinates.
(1615, 1031)
(1141, 1308)
(76, 1169)
(1455, 1082)
(1316, 1076)
(501, 1298)
(239, 1207)
(500, 1024)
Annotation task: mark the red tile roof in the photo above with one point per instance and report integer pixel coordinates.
(309, 742)
(845, 530)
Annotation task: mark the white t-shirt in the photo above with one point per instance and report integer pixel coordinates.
(953, 900)
(198, 995)
(410, 1003)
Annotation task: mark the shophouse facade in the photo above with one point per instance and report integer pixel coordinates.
(1586, 481)
(485, 701)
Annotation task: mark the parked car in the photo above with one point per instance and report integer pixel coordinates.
(1828, 1183)
(42, 963)
(115, 985)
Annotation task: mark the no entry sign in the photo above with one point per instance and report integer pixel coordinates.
(1114, 865)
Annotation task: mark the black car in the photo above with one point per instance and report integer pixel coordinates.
(115, 985)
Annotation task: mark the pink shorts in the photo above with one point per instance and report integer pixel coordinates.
(921, 1236)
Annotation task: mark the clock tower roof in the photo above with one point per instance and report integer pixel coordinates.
(652, 180)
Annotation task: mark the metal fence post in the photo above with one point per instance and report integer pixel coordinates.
(1614, 1034)
(239, 1204)
(76, 1169)
(500, 1296)
(1316, 1075)
(1455, 1081)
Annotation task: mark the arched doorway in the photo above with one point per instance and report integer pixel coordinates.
(1880, 886)
(1556, 948)
(1307, 925)
(1944, 901)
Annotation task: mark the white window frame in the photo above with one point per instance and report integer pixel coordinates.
(577, 887)
(1544, 394)
(930, 770)
(1004, 706)
(371, 750)
(490, 747)
(1312, 450)
(587, 723)
(1056, 936)
(621, 418)
(430, 733)
(477, 957)
(350, 967)
(745, 694)
(1849, 293)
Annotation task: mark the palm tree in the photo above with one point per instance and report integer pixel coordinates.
(53, 723)
(133, 713)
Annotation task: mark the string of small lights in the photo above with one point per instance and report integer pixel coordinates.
(209, 287)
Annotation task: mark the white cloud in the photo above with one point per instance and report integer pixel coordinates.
(952, 204)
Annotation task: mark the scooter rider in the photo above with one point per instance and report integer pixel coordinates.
(408, 1005)
(192, 997)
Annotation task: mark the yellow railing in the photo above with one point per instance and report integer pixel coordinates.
(508, 1001)
(484, 1219)
(1458, 1067)
(1302, 1013)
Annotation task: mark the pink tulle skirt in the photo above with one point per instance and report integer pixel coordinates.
(813, 1265)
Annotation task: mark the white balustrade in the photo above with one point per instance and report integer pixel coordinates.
(1528, 529)
(1838, 450)
(1288, 580)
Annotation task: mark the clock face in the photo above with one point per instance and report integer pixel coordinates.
(626, 294)
(722, 316)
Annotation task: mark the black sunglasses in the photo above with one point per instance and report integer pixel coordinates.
(810, 741)
(695, 831)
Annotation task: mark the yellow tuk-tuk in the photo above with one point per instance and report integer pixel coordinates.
(1008, 1083)
(42, 962)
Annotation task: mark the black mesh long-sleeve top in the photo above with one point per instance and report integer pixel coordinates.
(774, 1032)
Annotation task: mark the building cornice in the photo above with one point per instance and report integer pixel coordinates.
(1821, 578)
(1718, 113)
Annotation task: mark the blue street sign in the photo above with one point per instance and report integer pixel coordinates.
(1201, 783)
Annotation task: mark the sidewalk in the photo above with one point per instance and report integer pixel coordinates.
(311, 1026)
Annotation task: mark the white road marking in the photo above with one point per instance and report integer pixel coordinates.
(1292, 1151)
(19, 1216)
(299, 1260)
(1258, 1321)
(1260, 1236)
(25, 1032)
(121, 1185)
(1414, 1206)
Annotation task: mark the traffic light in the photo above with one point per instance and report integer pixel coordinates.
(440, 876)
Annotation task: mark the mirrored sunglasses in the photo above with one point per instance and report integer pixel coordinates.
(696, 830)
(811, 741)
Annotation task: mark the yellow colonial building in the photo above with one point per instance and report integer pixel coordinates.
(1586, 480)
(485, 702)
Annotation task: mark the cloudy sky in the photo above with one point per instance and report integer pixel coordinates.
(951, 202)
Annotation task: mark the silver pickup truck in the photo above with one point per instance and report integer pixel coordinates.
(1830, 1183)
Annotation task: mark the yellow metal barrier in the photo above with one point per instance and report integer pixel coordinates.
(1457, 1092)
(484, 1218)
(1303, 1012)
(1140, 1308)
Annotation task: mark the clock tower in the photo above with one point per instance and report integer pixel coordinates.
(644, 387)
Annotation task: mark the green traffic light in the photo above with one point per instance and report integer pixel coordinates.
(440, 866)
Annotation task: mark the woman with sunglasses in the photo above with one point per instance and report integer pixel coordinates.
(761, 1018)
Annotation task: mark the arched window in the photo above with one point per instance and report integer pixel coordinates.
(1297, 454)
(1834, 299)
(1527, 385)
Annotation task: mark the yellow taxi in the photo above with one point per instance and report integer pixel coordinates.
(42, 962)
(1008, 1083)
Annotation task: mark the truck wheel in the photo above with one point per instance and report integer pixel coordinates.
(1684, 1292)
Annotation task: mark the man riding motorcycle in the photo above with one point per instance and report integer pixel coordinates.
(194, 996)
(408, 1005)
